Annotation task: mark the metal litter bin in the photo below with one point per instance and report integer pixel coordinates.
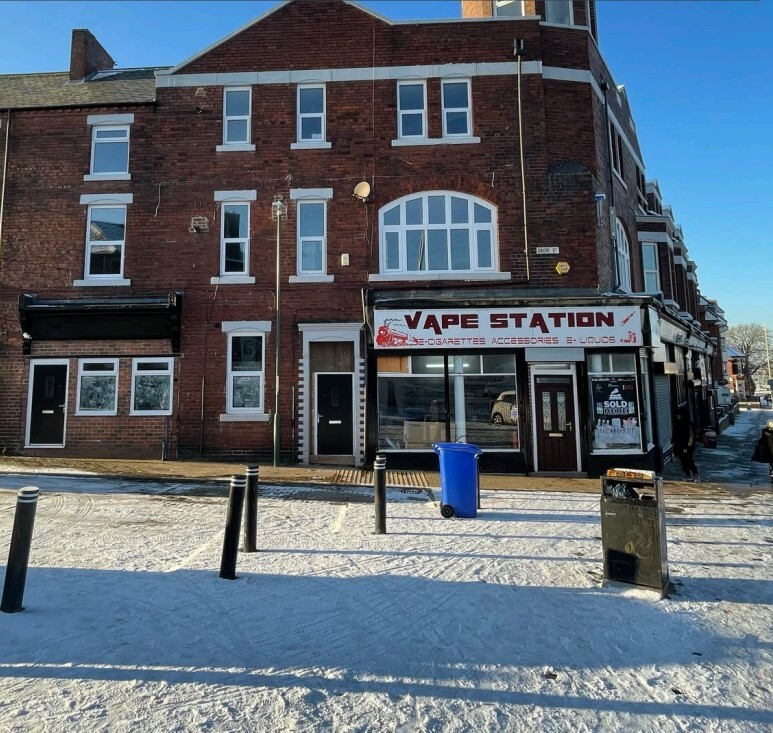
(633, 529)
(459, 482)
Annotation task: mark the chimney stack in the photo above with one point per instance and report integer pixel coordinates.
(87, 55)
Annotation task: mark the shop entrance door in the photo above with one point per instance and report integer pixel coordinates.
(555, 423)
(334, 415)
(47, 405)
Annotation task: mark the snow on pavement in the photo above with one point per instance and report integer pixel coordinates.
(492, 624)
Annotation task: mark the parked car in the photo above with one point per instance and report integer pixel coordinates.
(504, 411)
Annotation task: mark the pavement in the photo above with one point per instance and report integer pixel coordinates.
(726, 470)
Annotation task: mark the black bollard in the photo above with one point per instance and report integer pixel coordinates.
(232, 522)
(379, 493)
(19, 554)
(251, 510)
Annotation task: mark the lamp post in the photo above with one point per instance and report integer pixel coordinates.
(278, 212)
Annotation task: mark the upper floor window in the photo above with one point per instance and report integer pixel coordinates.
(559, 11)
(456, 108)
(234, 236)
(237, 111)
(97, 387)
(152, 386)
(105, 239)
(109, 147)
(649, 256)
(311, 113)
(623, 256)
(312, 227)
(411, 109)
(438, 232)
(616, 143)
(509, 8)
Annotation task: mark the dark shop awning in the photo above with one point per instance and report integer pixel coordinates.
(146, 317)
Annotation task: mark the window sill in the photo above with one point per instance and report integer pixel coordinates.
(233, 280)
(106, 283)
(407, 276)
(311, 145)
(550, 24)
(620, 179)
(151, 413)
(235, 148)
(107, 177)
(409, 141)
(311, 279)
(96, 413)
(245, 417)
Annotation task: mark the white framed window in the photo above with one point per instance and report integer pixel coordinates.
(312, 237)
(97, 387)
(246, 372)
(649, 256)
(559, 11)
(237, 115)
(152, 386)
(623, 256)
(457, 115)
(509, 8)
(311, 113)
(234, 238)
(109, 151)
(437, 232)
(616, 415)
(105, 242)
(411, 109)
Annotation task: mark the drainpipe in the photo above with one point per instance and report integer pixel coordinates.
(611, 207)
(518, 51)
(5, 175)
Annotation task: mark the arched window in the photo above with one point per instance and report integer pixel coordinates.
(623, 256)
(438, 231)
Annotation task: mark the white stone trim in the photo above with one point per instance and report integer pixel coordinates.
(230, 326)
(233, 280)
(107, 177)
(119, 119)
(106, 198)
(235, 148)
(312, 145)
(297, 194)
(245, 417)
(409, 141)
(421, 276)
(294, 279)
(106, 283)
(250, 195)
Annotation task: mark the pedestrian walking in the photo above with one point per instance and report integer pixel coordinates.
(763, 450)
(683, 441)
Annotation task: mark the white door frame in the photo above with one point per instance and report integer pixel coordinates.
(315, 414)
(46, 362)
(563, 369)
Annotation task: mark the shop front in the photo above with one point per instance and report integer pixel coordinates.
(540, 389)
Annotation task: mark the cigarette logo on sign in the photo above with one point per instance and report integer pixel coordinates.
(562, 268)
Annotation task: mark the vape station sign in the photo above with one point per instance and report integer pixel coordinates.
(447, 328)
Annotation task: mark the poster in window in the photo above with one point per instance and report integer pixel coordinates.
(616, 421)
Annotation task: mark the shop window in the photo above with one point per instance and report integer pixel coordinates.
(97, 387)
(438, 232)
(152, 386)
(482, 407)
(616, 416)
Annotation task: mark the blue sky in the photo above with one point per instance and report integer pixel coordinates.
(699, 77)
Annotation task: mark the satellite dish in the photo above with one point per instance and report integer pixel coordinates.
(362, 190)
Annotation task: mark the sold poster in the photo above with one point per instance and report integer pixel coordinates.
(615, 412)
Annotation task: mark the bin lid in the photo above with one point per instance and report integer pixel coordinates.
(457, 447)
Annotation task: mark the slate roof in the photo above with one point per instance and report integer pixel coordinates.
(117, 86)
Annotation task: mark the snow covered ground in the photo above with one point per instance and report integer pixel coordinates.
(494, 624)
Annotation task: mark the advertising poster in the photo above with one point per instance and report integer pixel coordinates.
(615, 412)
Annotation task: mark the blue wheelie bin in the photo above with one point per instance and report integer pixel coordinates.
(458, 479)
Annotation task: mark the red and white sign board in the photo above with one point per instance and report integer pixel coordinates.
(492, 328)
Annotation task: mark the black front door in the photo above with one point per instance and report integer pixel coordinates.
(334, 414)
(554, 402)
(49, 396)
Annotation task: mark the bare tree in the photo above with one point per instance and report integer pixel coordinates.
(750, 340)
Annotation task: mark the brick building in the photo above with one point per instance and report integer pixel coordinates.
(443, 233)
